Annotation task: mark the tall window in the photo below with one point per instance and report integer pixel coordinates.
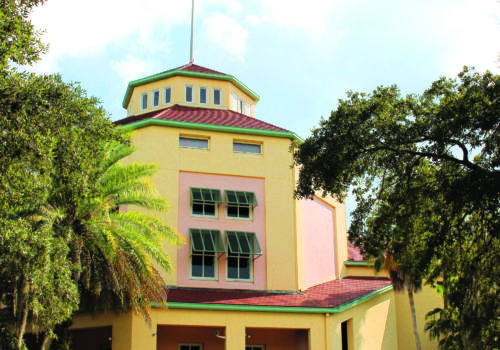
(241, 107)
(217, 94)
(242, 246)
(235, 102)
(249, 109)
(205, 245)
(167, 93)
(203, 95)
(144, 101)
(189, 94)
(156, 98)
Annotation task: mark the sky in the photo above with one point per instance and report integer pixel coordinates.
(300, 57)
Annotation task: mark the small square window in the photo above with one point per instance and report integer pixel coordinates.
(203, 95)
(167, 93)
(244, 147)
(156, 98)
(189, 94)
(192, 142)
(217, 94)
(144, 101)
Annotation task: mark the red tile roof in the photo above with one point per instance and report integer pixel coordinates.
(354, 253)
(210, 116)
(191, 67)
(326, 295)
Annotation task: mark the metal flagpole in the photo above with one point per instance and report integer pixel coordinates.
(191, 59)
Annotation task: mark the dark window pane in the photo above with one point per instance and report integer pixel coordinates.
(167, 95)
(189, 94)
(207, 239)
(184, 347)
(232, 211)
(197, 243)
(156, 98)
(209, 266)
(144, 101)
(244, 212)
(197, 209)
(233, 243)
(232, 267)
(244, 268)
(216, 97)
(197, 266)
(245, 248)
(210, 209)
(203, 95)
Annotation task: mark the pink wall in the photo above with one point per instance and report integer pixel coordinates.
(319, 242)
(187, 221)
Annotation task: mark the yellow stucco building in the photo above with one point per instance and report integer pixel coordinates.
(259, 270)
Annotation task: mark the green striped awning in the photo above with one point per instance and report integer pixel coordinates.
(240, 197)
(243, 243)
(205, 195)
(206, 241)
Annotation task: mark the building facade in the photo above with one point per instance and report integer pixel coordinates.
(259, 269)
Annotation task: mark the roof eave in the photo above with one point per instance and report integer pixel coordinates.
(169, 74)
(209, 127)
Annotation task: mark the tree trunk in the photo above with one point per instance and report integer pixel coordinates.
(414, 318)
(21, 308)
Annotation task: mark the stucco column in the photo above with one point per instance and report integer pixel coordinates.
(235, 335)
(144, 336)
(122, 332)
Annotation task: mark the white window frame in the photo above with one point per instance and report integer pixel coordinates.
(220, 97)
(153, 105)
(249, 109)
(144, 94)
(190, 345)
(195, 138)
(192, 93)
(206, 95)
(238, 217)
(165, 95)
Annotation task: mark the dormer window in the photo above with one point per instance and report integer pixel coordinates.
(203, 95)
(167, 93)
(189, 94)
(217, 97)
(155, 98)
(144, 101)
(249, 109)
(235, 102)
(241, 107)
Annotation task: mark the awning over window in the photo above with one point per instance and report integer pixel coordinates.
(240, 197)
(206, 241)
(205, 195)
(243, 243)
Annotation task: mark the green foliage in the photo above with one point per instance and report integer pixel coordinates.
(19, 42)
(425, 173)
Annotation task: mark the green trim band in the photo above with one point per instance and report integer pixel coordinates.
(283, 309)
(358, 263)
(198, 126)
(165, 75)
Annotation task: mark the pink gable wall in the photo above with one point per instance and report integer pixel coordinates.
(221, 223)
(319, 242)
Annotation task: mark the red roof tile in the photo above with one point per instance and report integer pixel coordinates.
(191, 67)
(325, 295)
(219, 117)
(354, 253)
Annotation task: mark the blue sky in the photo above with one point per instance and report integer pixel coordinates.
(299, 56)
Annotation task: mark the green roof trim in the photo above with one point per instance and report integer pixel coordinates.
(241, 197)
(284, 309)
(358, 263)
(206, 241)
(169, 74)
(209, 127)
(243, 243)
(205, 195)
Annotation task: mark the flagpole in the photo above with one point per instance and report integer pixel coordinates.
(191, 59)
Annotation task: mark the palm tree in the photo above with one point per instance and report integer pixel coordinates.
(116, 252)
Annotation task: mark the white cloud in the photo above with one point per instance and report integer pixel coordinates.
(310, 16)
(226, 33)
(132, 67)
(471, 29)
(82, 27)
